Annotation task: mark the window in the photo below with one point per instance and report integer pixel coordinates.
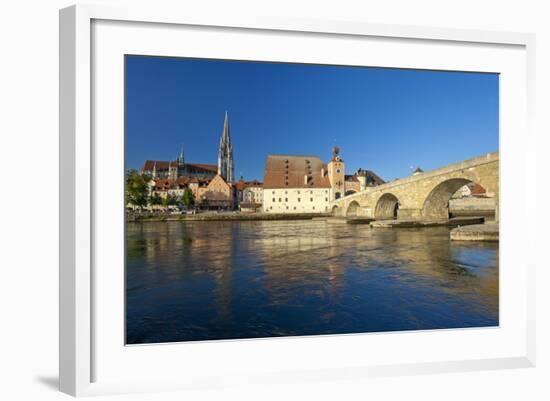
(311, 192)
(273, 200)
(337, 171)
(287, 208)
(298, 199)
(271, 207)
(286, 199)
(311, 199)
(326, 199)
(273, 192)
(280, 200)
(294, 207)
(313, 207)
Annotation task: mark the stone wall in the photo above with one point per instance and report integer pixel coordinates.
(425, 195)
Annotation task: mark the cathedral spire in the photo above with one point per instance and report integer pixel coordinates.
(225, 152)
(181, 158)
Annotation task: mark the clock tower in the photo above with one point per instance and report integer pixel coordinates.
(336, 174)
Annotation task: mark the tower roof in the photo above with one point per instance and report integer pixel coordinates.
(226, 135)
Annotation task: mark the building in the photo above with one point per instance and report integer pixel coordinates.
(249, 195)
(344, 185)
(175, 169)
(172, 170)
(225, 153)
(254, 192)
(296, 184)
(215, 194)
(304, 184)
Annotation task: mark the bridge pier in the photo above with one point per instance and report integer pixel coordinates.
(409, 214)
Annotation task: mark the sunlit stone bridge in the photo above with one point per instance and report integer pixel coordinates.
(424, 196)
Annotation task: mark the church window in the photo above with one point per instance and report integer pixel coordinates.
(337, 171)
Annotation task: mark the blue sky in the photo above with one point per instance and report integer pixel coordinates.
(385, 120)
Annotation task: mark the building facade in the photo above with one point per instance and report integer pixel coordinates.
(296, 184)
(304, 184)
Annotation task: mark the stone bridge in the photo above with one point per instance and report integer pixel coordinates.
(424, 196)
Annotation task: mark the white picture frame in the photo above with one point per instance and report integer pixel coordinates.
(78, 150)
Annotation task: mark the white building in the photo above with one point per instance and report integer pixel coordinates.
(296, 184)
(253, 192)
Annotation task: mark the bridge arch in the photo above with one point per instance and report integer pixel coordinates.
(353, 209)
(386, 207)
(436, 204)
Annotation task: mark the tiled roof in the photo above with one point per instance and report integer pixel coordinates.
(210, 168)
(240, 185)
(149, 165)
(285, 171)
(373, 178)
(253, 183)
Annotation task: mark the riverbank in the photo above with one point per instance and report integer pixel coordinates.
(227, 216)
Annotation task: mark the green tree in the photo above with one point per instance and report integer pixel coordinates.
(169, 201)
(137, 190)
(155, 199)
(188, 199)
(204, 203)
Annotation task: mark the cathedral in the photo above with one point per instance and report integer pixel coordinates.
(174, 169)
(225, 153)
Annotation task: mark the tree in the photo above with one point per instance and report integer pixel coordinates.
(155, 199)
(188, 199)
(137, 190)
(204, 203)
(169, 201)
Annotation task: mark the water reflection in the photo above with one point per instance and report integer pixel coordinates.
(219, 280)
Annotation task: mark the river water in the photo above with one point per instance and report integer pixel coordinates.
(225, 280)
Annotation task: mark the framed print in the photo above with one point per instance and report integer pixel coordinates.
(274, 200)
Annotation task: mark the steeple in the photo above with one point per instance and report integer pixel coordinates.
(225, 153)
(181, 158)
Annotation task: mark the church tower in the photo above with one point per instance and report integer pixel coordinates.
(336, 174)
(180, 163)
(225, 153)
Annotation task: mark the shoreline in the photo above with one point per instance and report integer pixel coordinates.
(227, 217)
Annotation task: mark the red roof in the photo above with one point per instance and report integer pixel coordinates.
(149, 165)
(285, 171)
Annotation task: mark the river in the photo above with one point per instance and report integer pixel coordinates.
(225, 280)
